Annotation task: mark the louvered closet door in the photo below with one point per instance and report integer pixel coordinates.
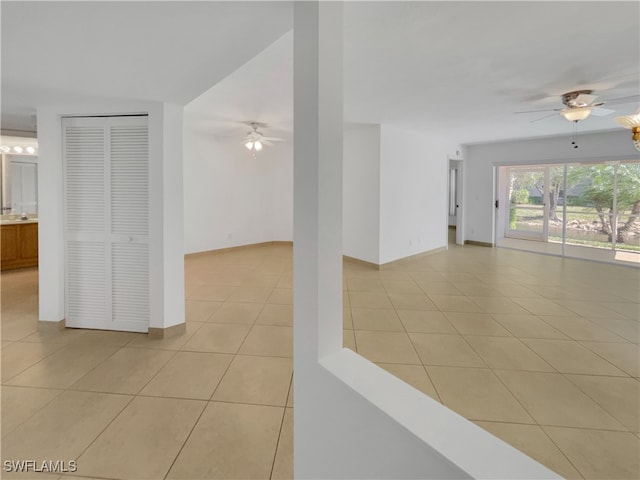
(106, 222)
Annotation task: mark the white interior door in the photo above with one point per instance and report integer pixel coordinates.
(106, 222)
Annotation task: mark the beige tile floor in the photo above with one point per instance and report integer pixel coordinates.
(540, 351)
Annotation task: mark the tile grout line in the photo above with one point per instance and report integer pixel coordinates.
(562, 451)
(34, 413)
(512, 394)
(580, 342)
(284, 413)
(193, 427)
(4, 380)
(611, 414)
(537, 423)
(133, 397)
(415, 350)
(527, 347)
(226, 370)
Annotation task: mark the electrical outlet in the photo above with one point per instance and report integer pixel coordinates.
(229, 236)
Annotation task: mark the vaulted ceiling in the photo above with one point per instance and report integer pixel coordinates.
(459, 69)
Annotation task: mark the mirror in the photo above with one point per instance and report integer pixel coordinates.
(19, 185)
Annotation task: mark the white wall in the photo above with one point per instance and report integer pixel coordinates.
(413, 193)
(395, 193)
(480, 159)
(165, 195)
(361, 193)
(282, 220)
(232, 198)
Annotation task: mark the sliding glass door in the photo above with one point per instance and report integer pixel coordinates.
(555, 200)
(628, 207)
(590, 209)
(593, 205)
(527, 209)
(604, 210)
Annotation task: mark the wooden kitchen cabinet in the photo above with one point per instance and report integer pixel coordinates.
(19, 245)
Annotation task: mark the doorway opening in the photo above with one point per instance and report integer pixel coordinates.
(454, 205)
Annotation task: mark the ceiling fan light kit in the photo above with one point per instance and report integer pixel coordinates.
(576, 114)
(255, 140)
(257, 145)
(632, 122)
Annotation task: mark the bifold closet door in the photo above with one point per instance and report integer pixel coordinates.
(106, 177)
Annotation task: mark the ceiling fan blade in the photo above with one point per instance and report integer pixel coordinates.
(273, 139)
(253, 123)
(601, 112)
(266, 142)
(621, 100)
(543, 118)
(544, 110)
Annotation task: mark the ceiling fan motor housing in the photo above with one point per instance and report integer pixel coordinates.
(570, 99)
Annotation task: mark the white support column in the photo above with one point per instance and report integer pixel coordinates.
(317, 232)
(50, 218)
(318, 178)
(338, 432)
(167, 247)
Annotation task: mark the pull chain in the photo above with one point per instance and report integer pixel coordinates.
(575, 134)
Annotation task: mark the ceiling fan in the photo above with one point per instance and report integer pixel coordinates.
(579, 104)
(254, 140)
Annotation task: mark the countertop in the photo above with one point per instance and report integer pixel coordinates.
(17, 221)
